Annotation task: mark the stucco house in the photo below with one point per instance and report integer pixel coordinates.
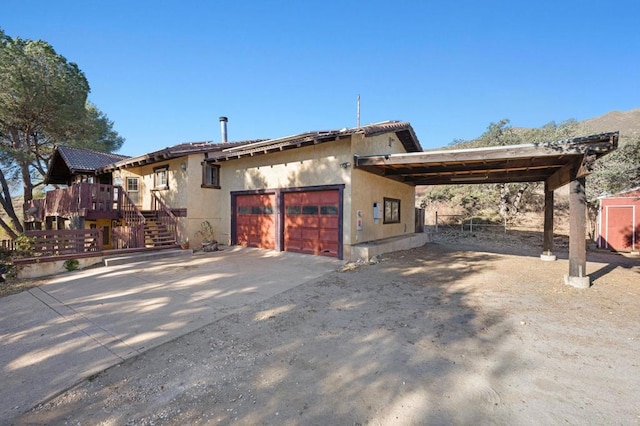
(300, 193)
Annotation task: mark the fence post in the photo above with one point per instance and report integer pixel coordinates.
(505, 224)
(436, 221)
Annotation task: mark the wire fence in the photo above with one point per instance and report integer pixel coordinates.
(471, 224)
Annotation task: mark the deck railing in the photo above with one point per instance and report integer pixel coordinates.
(7, 245)
(59, 242)
(164, 215)
(131, 234)
(76, 200)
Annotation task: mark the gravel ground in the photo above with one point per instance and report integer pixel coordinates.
(472, 328)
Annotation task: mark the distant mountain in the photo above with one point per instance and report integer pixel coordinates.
(627, 122)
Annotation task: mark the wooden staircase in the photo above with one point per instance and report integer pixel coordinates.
(157, 234)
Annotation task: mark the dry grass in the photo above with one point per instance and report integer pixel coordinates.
(14, 286)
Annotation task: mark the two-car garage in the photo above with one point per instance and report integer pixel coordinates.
(304, 220)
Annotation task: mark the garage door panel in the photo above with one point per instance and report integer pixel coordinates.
(329, 222)
(255, 220)
(294, 233)
(311, 222)
(328, 235)
(309, 234)
(309, 246)
(329, 250)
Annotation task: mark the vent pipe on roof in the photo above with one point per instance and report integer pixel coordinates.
(223, 128)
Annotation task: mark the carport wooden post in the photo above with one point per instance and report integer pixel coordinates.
(547, 242)
(577, 234)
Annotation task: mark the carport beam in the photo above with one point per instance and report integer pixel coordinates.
(577, 236)
(547, 242)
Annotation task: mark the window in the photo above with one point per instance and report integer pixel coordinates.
(132, 184)
(161, 177)
(329, 210)
(133, 189)
(210, 175)
(391, 210)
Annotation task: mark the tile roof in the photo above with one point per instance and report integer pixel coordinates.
(174, 151)
(67, 161)
(229, 150)
(403, 130)
(81, 159)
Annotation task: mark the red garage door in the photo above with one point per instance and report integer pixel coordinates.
(255, 220)
(311, 222)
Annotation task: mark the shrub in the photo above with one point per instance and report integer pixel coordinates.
(71, 264)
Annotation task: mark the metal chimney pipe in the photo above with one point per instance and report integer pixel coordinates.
(223, 128)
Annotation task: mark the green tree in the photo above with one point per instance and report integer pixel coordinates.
(43, 102)
(506, 199)
(617, 171)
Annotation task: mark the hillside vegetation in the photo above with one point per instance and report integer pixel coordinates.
(522, 204)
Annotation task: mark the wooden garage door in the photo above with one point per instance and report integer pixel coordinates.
(619, 232)
(311, 222)
(255, 220)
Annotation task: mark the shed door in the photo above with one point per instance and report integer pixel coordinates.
(311, 222)
(255, 220)
(620, 226)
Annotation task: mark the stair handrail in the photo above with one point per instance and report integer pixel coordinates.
(132, 217)
(165, 215)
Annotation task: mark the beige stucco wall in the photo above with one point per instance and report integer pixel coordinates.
(321, 165)
(307, 166)
(176, 196)
(203, 204)
(367, 188)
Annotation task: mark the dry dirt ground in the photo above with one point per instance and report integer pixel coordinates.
(470, 329)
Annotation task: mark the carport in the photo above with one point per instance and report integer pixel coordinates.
(554, 163)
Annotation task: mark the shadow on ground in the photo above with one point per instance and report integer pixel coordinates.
(78, 324)
(403, 341)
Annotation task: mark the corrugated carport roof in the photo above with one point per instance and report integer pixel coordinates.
(556, 163)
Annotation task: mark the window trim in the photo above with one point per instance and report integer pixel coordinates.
(132, 178)
(390, 218)
(205, 168)
(156, 170)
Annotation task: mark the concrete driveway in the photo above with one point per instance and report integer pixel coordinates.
(78, 324)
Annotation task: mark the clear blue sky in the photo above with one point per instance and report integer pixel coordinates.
(164, 71)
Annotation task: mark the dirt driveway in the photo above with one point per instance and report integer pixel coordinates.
(451, 333)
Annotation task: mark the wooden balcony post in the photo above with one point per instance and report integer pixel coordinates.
(577, 276)
(547, 242)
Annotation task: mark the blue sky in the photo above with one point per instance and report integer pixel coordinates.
(164, 71)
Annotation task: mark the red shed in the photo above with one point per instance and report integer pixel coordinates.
(619, 221)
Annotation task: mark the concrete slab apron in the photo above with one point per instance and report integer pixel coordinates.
(78, 324)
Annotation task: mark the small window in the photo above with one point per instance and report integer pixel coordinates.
(132, 185)
(329, 210)
(133, 189)
(391, 210)
(210, 175)
(161, 177)
(293, 210)
(310, 210)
